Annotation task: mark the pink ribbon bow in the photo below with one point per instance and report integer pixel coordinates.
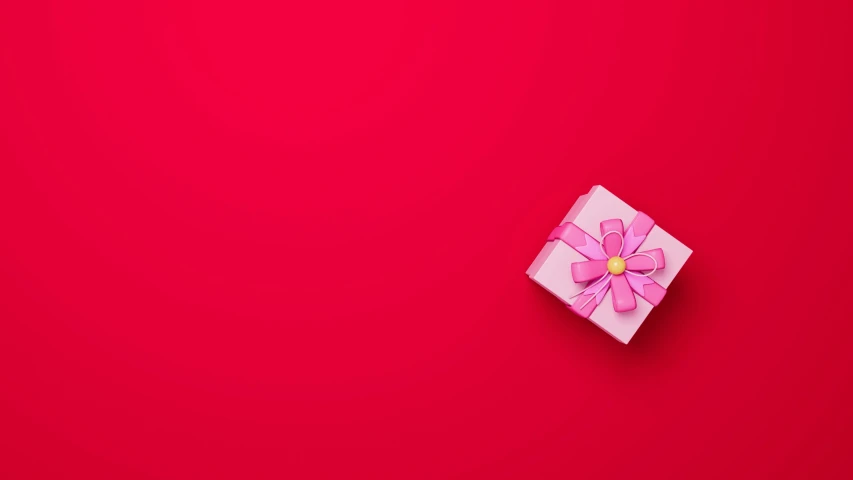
(613, 264)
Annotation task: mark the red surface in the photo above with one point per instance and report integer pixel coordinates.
(256, 241)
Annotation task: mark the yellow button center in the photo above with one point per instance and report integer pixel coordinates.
(616, 265)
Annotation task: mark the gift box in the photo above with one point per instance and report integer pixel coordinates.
(609, 263)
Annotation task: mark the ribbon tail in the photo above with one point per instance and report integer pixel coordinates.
(636, 233)
(647, 288)
(587, 302)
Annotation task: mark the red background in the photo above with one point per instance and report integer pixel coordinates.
(260, 240)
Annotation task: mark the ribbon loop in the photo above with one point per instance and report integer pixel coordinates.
(604, 249)
(641, 274)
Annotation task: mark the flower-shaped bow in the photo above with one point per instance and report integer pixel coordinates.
(613, 264)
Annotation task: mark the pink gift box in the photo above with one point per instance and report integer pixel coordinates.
(609, 263)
